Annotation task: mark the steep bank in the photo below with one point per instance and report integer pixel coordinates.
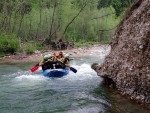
(127, 67)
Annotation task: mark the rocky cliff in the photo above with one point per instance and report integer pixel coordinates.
(127, 67)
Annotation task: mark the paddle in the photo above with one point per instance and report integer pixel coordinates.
(71, 68)
(33, 69)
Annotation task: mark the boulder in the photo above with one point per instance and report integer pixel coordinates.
(127, 67)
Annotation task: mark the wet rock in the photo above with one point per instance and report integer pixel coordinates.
(128, 63)
(94, 66)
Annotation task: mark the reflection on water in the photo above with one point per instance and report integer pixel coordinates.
(23, 91)
(118, 103)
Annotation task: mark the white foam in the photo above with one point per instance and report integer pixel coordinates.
(27, 80)
(84, 72)
(29, 77)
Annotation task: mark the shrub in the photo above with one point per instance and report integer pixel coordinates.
(29, 48)
(9, 44)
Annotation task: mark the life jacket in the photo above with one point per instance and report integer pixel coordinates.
(42, 62)
(67, 61)
(61, 59)
(51, 59)
(48, 64)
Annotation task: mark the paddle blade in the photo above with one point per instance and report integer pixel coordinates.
(73, 69)
(34, 68)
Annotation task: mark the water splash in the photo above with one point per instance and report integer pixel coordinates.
(29, 77)
(84, 73)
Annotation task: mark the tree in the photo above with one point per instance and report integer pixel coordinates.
(118, 5)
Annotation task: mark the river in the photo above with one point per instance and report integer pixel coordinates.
(24, 92)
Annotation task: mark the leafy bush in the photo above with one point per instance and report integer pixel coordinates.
(8, 44)
(40, 47)
(29, 48)
(2, 53)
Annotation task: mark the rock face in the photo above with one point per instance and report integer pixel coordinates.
(128, 63)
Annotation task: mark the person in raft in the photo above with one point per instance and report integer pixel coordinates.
(46, 62)
(62, 60)
(55, 61)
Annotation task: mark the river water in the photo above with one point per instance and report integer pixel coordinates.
(24, 92)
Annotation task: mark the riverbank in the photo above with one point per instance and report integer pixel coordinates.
(76, 52)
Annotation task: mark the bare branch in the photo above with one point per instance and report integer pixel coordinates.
(74, 18)
(103, 16)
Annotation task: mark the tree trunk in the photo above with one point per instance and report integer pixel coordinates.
(30, 26)
(14, 23)
(10, 15)
(39, 25)
(2, 15)
(22, 16)
(48, 40)
(46, 23)
(50, 32)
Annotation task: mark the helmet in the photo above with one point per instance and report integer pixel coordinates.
(46, 57)
(49, 55)
(67, 55)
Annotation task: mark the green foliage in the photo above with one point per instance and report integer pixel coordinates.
(8, 44)
(79, 3)
(118, 5)
(29, 48)
(86, 28)
(31, 20)
(2, 53)
(104, 3)
(38, 46)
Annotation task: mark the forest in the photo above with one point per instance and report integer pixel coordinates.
(29, 25)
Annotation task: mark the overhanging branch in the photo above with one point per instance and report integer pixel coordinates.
(103, 16)
(74, 18)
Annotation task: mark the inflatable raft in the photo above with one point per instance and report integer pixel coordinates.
(56, 72)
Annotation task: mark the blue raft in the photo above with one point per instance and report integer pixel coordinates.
(56, 72)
